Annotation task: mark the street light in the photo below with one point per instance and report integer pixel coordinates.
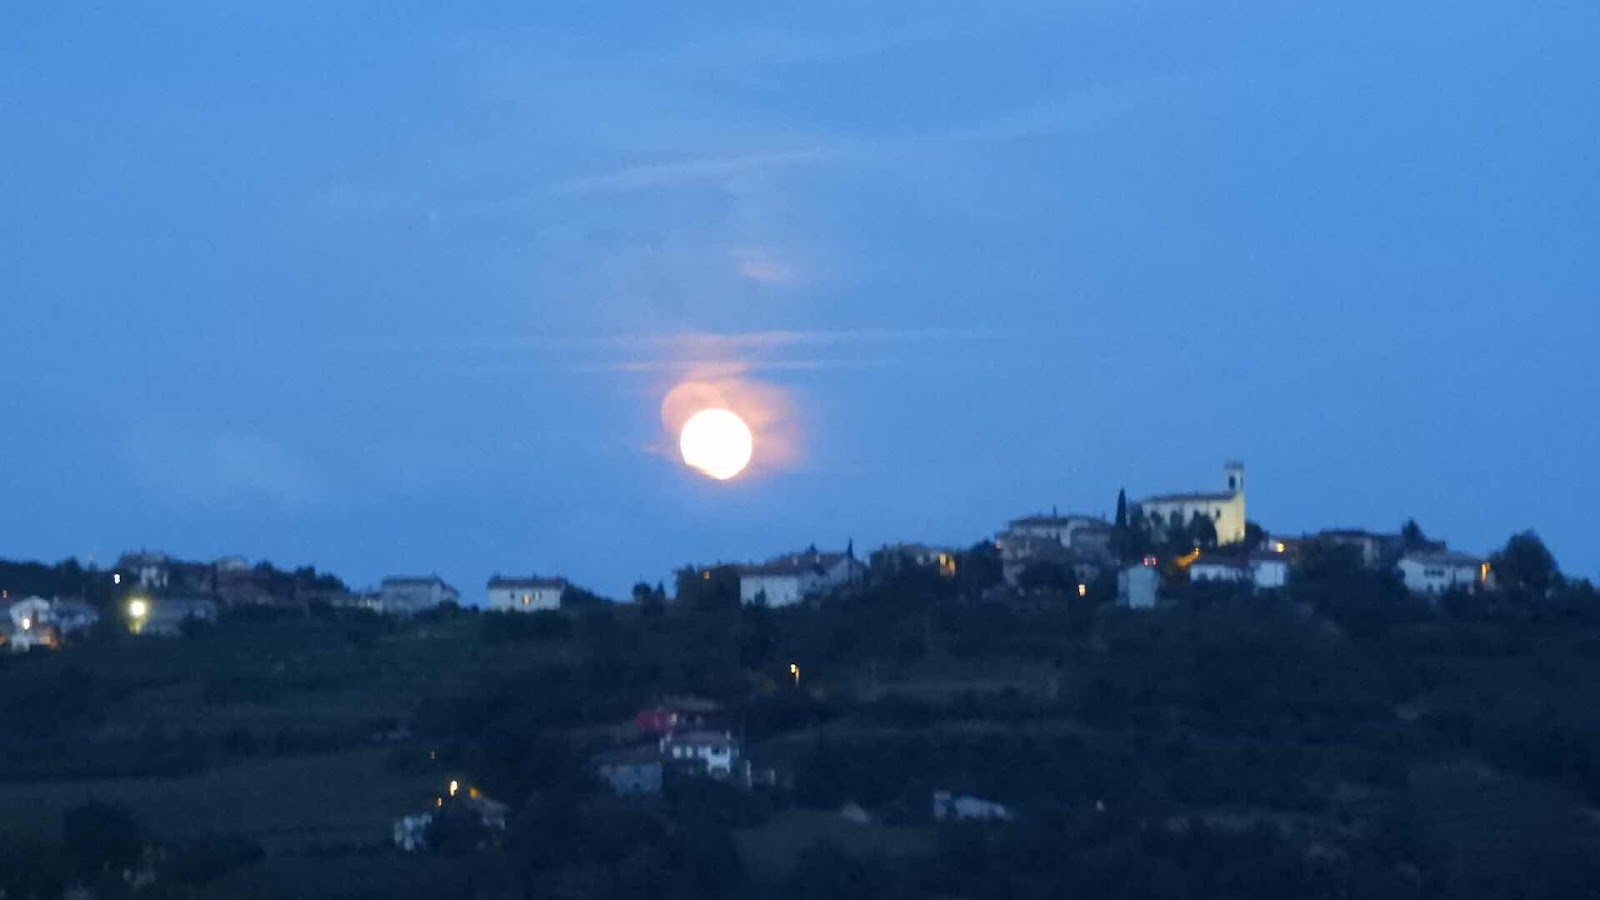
(794, 669)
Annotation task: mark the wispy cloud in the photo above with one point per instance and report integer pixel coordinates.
(725, 353)
(1083, 109)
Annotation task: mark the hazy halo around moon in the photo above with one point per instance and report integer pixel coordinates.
(717, 442)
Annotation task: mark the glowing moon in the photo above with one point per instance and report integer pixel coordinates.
(717, 442)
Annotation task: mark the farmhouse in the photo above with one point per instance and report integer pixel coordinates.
(406, 596)
(788, 580)
(525, 594)
(1438, 571)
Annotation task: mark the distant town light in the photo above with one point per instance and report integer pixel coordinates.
(455, 786)
(1083, 590)
(794, 669)
(1280, 547)
(116, 578)
(138, 609)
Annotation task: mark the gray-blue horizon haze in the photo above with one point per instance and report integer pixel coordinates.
(398, 288)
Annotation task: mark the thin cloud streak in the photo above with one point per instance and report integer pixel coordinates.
(687, 340)
(1086, 108)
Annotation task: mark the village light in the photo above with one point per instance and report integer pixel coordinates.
(1083, 590)
(455, 786)
(794, 669)
(138, 609)
(116, 578)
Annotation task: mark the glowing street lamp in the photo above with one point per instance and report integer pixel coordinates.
(138, 612)
(794, 669)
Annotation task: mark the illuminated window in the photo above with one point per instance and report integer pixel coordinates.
(527, 599)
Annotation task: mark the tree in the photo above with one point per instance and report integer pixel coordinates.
(714, 588)
(1121, 536)
(1254, 535)
(1204, 531)
(1048, 576)
(1525, 565)
(1412, 537)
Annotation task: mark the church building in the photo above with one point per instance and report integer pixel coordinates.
(1225, 508)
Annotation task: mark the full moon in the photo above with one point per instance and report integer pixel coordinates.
(717, 442)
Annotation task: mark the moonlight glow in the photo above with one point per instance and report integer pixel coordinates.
(717, 442)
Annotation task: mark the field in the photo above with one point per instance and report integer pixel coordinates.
(345, 797)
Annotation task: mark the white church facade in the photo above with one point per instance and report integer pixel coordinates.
(1225, 508)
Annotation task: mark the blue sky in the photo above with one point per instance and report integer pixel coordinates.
(399, 287)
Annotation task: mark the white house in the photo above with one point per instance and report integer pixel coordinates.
(714, 751)
(150, 570)
(1434, 572)
(1230, 571)
(525, 594)
(1270, 570)
(405, 596)
(1224, 508)
(29, 612)
(788, 580)
(962, 808)
(1137, 585)
(27, 625)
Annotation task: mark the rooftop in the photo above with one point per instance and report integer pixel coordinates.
(1040, 519)
(1443, 557)
(1192, 497)
(532, 582)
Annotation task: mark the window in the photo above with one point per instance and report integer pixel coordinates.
(527, 599)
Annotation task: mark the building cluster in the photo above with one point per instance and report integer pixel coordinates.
(32, 622)
(684, 737)
(1205, 538)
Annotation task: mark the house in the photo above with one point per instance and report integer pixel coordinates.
(28, 613)
(710, 752)
(899, 558)
(961, 808)
(1067, 541)
(1263, 570)
(1063, 530)
(525, 594)
(71, 616)
(150, 570)
(631, 772)
(1220, 569)
(232, 564)
(674, 714)
(1438, 571)
(1269, 570)
(407, 596)
(167, 616)
(411, 832)
(1138, 585)
(1224, 508)
(26, 624)
(788, 580)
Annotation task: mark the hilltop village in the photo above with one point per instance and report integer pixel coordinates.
(1153, 546)
(1175, 700)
